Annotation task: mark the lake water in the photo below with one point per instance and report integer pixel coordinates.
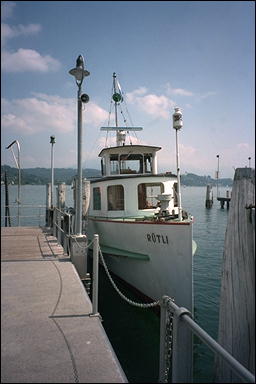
(134, 332)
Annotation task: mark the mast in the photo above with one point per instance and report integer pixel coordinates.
(120, 131)
(115, 97)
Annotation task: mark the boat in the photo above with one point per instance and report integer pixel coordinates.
(145, 235)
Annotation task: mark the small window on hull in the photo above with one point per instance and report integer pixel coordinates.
(96, 199)
(175, 194)
(115, 198)
(147, 195)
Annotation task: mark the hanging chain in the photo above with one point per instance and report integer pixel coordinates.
(141, 305)
(168, 341)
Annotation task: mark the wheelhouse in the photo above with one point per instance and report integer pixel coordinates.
(129, 159)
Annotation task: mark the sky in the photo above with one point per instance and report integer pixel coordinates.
(196, 55)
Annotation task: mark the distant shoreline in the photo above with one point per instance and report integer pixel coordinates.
(42, 176)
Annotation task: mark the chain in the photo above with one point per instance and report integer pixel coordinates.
(168, 341)
(141, 305)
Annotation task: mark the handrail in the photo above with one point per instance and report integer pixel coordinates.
(16, 214)
(182, 316)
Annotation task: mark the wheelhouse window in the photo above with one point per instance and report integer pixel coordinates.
(131, 163)
(147, 163)
(175, 194)
(96, 199)
(147, 195)
(115, 195)
(114, 165)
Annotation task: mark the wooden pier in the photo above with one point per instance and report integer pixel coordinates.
(224, 200)
(48, 333)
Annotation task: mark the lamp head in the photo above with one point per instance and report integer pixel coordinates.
(79, 72)
(52, 140)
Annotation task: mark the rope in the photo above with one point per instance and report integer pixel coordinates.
(141, 305)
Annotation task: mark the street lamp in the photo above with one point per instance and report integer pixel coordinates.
(249, 158)
(52, 141)
(177, 125)
(19, 177)
(79, 73)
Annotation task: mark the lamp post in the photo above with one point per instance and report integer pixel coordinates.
(19, 173)
(217, 174)
(52, 141)
(177, 125)
(249, 158)
(79, 73)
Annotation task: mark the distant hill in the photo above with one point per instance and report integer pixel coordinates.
(190, 179)
(66, 175)
(43, 175)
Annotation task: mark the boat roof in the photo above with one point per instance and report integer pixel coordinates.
(166, 175)
(123, 149)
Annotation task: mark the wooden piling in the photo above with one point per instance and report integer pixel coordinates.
(209, 197)
(237, 301)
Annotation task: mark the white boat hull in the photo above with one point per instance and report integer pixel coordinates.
(155, 258)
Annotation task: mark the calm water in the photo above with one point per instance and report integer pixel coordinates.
(134, 332)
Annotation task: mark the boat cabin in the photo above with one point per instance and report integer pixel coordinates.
(129, 159)
(131, 186)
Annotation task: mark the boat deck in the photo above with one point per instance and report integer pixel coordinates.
(48, 335)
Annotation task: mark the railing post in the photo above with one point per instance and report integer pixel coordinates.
(48, 205)
(54, 223)
(162, 359)
(182, 348)
(95, 274)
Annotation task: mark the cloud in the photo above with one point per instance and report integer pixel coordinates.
(243, 146)
(8, 32)
(23, 59)
(207, 94)
(154, 105)
(46, 113)
(28, 60)
(178, 91)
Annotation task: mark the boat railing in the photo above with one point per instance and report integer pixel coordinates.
(22, 214)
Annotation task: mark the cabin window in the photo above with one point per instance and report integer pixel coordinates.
(96, 199)
(131, 163)
(115, 198)
(147, 163)
(147, 195)
(103, 167)
(114, 165)
(175, 194)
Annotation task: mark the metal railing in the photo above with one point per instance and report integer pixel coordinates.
(18, 215)
(181, 322)
(62, 227)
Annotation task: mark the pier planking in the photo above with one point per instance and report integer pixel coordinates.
(48, 335)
